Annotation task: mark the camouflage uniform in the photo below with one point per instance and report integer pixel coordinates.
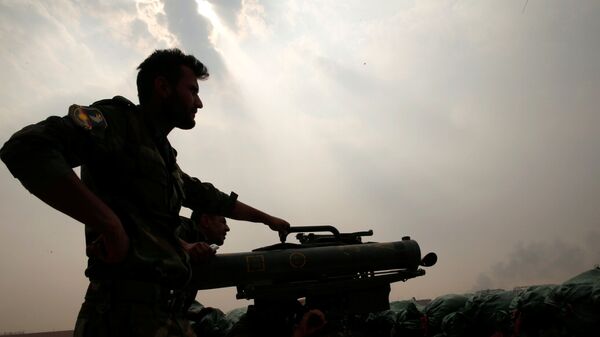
(189, 232)
(132, 168)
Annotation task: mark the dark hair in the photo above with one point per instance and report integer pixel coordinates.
(167, 63)
(196, 215)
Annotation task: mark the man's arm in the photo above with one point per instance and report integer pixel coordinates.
(193, 241)
(207, 198)
(41, 156)
(70, 196)
(245, 212)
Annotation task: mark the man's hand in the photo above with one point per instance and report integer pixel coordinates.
(70, 196)
(279, 225)
(199, 252)
(244, 212)
(111, 246)
(311, 322)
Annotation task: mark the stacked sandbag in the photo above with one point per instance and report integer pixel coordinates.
(410, 321)
(207, 321)
(490, 313)
(571, 309)
(381, 323)
(455, 324)
(532, 316)
(234, 315)
(484, 314)
(440, 307)
(577, 302)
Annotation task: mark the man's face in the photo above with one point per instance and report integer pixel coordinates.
(183, 102)
(214, 228)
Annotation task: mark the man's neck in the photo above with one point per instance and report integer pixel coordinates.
(157, 119)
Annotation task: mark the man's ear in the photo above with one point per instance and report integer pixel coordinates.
(203, 221)
(162, 87)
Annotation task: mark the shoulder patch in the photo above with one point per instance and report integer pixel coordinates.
(86, 117)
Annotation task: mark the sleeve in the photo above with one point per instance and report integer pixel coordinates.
(45, 151)
(205, 198)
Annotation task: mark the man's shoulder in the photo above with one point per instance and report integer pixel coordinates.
(118, 105)
(114, 116)
(118, 111)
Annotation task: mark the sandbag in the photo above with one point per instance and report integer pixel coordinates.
(532, 316)
(577, 302)
(441, 306)
(207, 321)
(409, 319)
(455, 324)
(484, 314)
(381, 323)
(234, 315)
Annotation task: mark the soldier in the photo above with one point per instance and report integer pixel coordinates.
(200, 236)
(200, 232)
(129, 196)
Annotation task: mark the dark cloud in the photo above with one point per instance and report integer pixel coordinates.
(229, 11)
(483, 282)
(193, 30)
(542, 262)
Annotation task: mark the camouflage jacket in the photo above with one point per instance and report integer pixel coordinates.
(132, 170)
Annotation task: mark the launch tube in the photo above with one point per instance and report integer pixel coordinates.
(310, 263)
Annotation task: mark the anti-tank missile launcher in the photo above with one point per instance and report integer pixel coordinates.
(335, 270)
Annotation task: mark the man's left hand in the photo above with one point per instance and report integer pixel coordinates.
(278, 225)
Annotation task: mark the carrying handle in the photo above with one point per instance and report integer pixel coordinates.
(303, 229)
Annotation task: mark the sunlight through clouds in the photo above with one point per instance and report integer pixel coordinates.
(205, 9)
(252, 20)
(240, 66)
(152, 12)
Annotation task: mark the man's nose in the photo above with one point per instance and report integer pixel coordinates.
(198, 102)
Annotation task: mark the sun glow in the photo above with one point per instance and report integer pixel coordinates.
(206, 9)
(226, 43)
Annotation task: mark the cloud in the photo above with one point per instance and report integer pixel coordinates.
(251, 20)
(542, 262)
(152, 13)
(193, 30)
(40, 51)
(74, 52)
(228, 11)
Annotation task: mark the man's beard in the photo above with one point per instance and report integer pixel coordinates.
(186, 124)
(179, 116)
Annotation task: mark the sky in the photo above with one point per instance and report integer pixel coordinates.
(469, 125)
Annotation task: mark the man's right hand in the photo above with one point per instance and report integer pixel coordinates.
(111, 246)
(199, 252)
(312, 321)
(70, 196)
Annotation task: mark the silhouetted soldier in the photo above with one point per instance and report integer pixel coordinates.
(129, 196)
